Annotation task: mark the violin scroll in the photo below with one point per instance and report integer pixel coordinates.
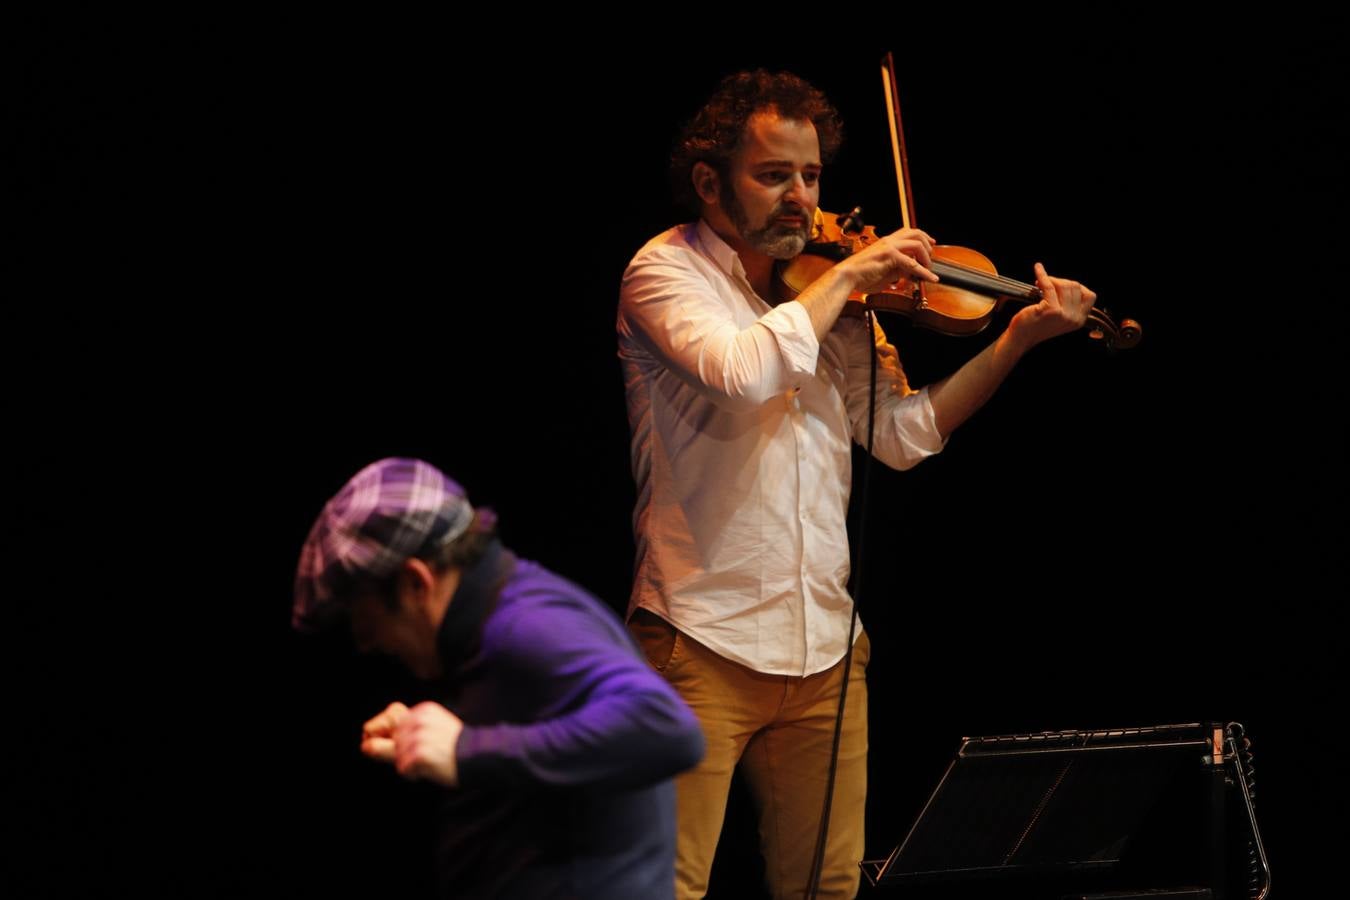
(1123, 336)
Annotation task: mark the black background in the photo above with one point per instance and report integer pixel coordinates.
(248, 258)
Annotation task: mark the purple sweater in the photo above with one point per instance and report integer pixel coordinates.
(569, 743)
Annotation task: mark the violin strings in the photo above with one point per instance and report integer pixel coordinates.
(985, 276)
(997, 281)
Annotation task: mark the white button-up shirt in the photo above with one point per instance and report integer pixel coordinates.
(741, 424)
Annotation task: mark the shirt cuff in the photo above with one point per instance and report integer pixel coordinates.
(791, 327)
(474, 759)
(924, 436)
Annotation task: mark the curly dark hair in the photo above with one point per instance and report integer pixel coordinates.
(712, 135)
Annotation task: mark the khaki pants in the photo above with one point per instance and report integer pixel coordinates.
(779, 728)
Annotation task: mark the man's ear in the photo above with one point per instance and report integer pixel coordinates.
(706, 183)
(414, 583)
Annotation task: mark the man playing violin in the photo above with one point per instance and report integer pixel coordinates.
(742, 411)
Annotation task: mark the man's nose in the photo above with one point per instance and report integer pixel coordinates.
(364, 640)
(798, 193)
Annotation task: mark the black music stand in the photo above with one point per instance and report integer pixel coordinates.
(1072, 814)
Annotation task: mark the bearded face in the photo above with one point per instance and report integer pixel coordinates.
(782, 234)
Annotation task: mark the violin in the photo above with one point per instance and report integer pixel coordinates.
(969, 290)
(962, 303)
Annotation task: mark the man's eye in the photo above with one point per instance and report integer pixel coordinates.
(811, 178)
(772, 177)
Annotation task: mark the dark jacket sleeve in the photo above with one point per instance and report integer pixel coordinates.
(610, 720)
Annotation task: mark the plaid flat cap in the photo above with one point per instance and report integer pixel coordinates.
(390, 511)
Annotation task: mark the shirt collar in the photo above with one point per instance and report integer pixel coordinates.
(473, 601)
(720, 251)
